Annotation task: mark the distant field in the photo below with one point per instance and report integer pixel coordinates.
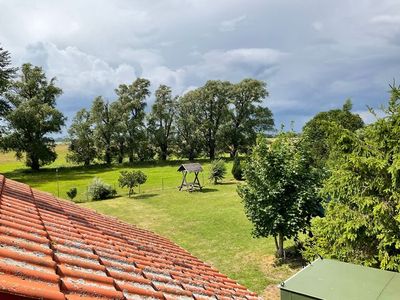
(210, 224)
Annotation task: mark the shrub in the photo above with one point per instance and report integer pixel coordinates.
(72, 193)
(237, 171)
(98, 190)
(218, 170)
(131, 179)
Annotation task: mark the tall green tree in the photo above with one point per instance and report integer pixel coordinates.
(132, 99)
(190, 139)
(362, 219)
(160, 120)
(31, 116)
(82, 149)
(280, 195)
(7, 73)
(105, 118)
(247, 117)
(214, 99)
(317, 134)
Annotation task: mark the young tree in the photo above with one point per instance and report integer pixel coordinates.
(105, 119)
(131, 180)
(362, 219)
(72, 193)
(246, 117)
(188, 125)
(214, 98)
(237, 171)
(316, 131)
(160, 120)
(280, 194)
(132, 104)
(81, 138)
(31, 116)
(218, 170)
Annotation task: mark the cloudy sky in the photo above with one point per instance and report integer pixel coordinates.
(313, 54)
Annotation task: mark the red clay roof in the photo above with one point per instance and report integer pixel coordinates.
(54, 249)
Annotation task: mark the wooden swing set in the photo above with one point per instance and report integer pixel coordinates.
(190, 168)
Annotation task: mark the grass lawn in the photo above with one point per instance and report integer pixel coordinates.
(210, 224)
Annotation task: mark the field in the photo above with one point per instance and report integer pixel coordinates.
(210, 224)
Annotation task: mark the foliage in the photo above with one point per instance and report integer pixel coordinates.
(105, 118)
(280, 194)
(237, 171)
(160, 120)
(98, 190)
(246, 117)
(72, 193)
(131, 180)
(316, 131)
(362, 222)
(32, 115)
(188, 124)
(217, 171)
(131, 100)
(213, 97)
(81, 139)
(7, 73)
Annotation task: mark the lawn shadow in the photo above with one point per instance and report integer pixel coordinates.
(294, 259)
(208, 190)
(144, 196)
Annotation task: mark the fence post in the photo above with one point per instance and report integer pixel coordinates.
(58, 184)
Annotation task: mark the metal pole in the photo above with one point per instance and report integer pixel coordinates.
(58, 185)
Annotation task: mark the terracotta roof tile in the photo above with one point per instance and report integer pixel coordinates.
(54, 249)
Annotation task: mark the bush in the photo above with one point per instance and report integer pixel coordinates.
(72, 193)
(98, 190)
(237, 171)
(131, 179)
(218, 170)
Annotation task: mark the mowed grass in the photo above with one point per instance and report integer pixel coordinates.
(210, 224)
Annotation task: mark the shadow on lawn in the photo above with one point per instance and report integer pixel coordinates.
(208, 190)
(144, 196)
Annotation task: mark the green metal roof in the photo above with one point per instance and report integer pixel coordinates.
(330, 279)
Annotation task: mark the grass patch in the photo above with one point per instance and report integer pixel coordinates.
(210, 224)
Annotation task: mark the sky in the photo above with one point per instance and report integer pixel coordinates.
(313, 54)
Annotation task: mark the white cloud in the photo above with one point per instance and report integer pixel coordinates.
(230, 25)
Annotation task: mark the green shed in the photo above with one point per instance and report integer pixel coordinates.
(331, 279)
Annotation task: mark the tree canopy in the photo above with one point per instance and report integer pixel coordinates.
(31, 116)
(280, 194)
(362, 221)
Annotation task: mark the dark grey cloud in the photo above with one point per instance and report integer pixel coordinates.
(313, 54)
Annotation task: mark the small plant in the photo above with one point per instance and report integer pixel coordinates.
(98, 190)
(218, 170)
(237, 171)
(131, 179)
(72, 193)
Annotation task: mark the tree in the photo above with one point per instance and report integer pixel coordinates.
(72, 193)
(81, 139)
(362, 219)
(189, 137)
(160, 120)
(218, 170)
(31, 115)
(105, 119)
(237, 171)
(98, 190)
(132, 104)
(246, 118)
(280, 194)
(131, 180)
(316, 131)
(7, 73)
(213, 97)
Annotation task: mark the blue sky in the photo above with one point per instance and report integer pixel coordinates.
(313, 54)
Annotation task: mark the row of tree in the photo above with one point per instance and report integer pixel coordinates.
(217, 117)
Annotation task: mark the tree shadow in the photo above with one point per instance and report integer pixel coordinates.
(208, 190)
(144, 196)
(293, 259)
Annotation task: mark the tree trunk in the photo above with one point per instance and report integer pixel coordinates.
(131, 157)
(191, 155)
(86, 163)
(108, 156)
(212, 151)
(33, 162)
(233, 152)
(280, 245)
